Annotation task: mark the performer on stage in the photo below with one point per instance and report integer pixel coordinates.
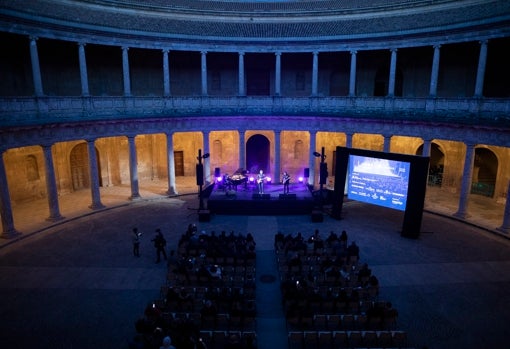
(286, 182)
(261, 177)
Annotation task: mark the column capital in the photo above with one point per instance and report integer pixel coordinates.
(241, 53)
(483, 42)
(33, 38)
(125, 48)
(81, 43)
(203, 52)
(315, 53)
(46, 145)
(353, 52)
(393, 49)
(165, 50)
(436, 46)
(278, 53)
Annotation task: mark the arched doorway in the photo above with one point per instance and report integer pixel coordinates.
(257, 154)
(436, 164)
(79, 162)
(485, 169)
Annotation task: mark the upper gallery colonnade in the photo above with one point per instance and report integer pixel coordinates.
(48, 107)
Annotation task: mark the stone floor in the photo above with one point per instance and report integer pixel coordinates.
(75, 284)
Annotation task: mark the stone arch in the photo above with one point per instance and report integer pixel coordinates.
(79, 163)
(32, 168)
(257, 153)
(485, 170)
(436, 165)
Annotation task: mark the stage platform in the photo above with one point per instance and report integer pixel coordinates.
(246, 200)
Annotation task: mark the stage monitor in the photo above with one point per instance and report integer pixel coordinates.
(396, 181)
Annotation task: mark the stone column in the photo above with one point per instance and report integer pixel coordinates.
(352, 77)
(94, 176)
(242, 91)
(51, 185)
(166, 74)
(393, 69)
(278, 75)
(315, 72)
(83, 70)
(311, 159)
(125, 72)
(133, 168)
(434, 74)
(242, 150)
(480, 73)
(277, 150)
(36, 69)
(387, 143)
(467, 177)
(172, 190)
(348, 140)
(207, 161)
(426, 147)
(203, 69)
(8, 230)
(505, 227)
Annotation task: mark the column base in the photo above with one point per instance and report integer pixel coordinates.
(10, 234)
(461, 215)
(172, 192)
(504, 230)
(135, 197)
(55, 218)
(97, 206)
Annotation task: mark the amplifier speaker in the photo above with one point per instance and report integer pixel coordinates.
(287, 196)
(317, 216)
(204, 215)
(257, 196)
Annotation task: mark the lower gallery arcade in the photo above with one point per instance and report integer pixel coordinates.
(63, 168)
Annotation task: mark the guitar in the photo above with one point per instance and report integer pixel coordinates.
(286, 179)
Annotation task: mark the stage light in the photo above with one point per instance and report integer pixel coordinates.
(252, 179)
(219, 179)
(300, 179)
(268, 179)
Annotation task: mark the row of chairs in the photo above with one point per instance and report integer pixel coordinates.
(220, 260)
(224, 339)
(319, 306)
(334, 322)
(347, 339)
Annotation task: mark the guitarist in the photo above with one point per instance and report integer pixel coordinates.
(260, 181)
(286, 182)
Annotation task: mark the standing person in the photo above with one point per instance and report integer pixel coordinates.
(159, 244)
(136, 242)
(286, 182)
(260, 181)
